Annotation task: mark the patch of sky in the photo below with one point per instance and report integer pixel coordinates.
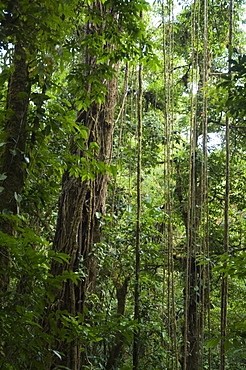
(214, 141)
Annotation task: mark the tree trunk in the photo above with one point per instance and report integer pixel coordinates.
(77, 225)
(12, 163)
(190, 359)
(194, 319)
(116, 349)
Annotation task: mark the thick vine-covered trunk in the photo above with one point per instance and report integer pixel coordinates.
(192, 210)
(12, 162)
(80, 203)
(77, 226)
(193, 298)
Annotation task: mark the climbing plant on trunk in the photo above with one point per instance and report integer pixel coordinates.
(84, 184)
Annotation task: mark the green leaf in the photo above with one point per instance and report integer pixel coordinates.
(65, 257)
(212, 343)
(112, 170)
(50, 295)
(94, 146)
(96, 340)
(58, 355)
(2, 176)
(18, 197)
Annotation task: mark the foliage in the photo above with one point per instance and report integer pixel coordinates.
(62, 86)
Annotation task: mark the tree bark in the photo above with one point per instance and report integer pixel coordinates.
(190, 359)
(117, 347)
(77, 225)
(12, 163)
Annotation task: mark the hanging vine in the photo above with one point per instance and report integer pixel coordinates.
(205, 269)
(224, 283)
(138, 222)
(168, 88)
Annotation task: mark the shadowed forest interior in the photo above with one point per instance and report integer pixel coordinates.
(122, 184)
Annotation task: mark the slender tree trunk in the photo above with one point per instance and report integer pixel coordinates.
(116, 350)
(136, 344)
(224, 283)
(194, 320)
(12, 163)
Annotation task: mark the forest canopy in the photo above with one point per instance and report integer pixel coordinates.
(122, 184)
